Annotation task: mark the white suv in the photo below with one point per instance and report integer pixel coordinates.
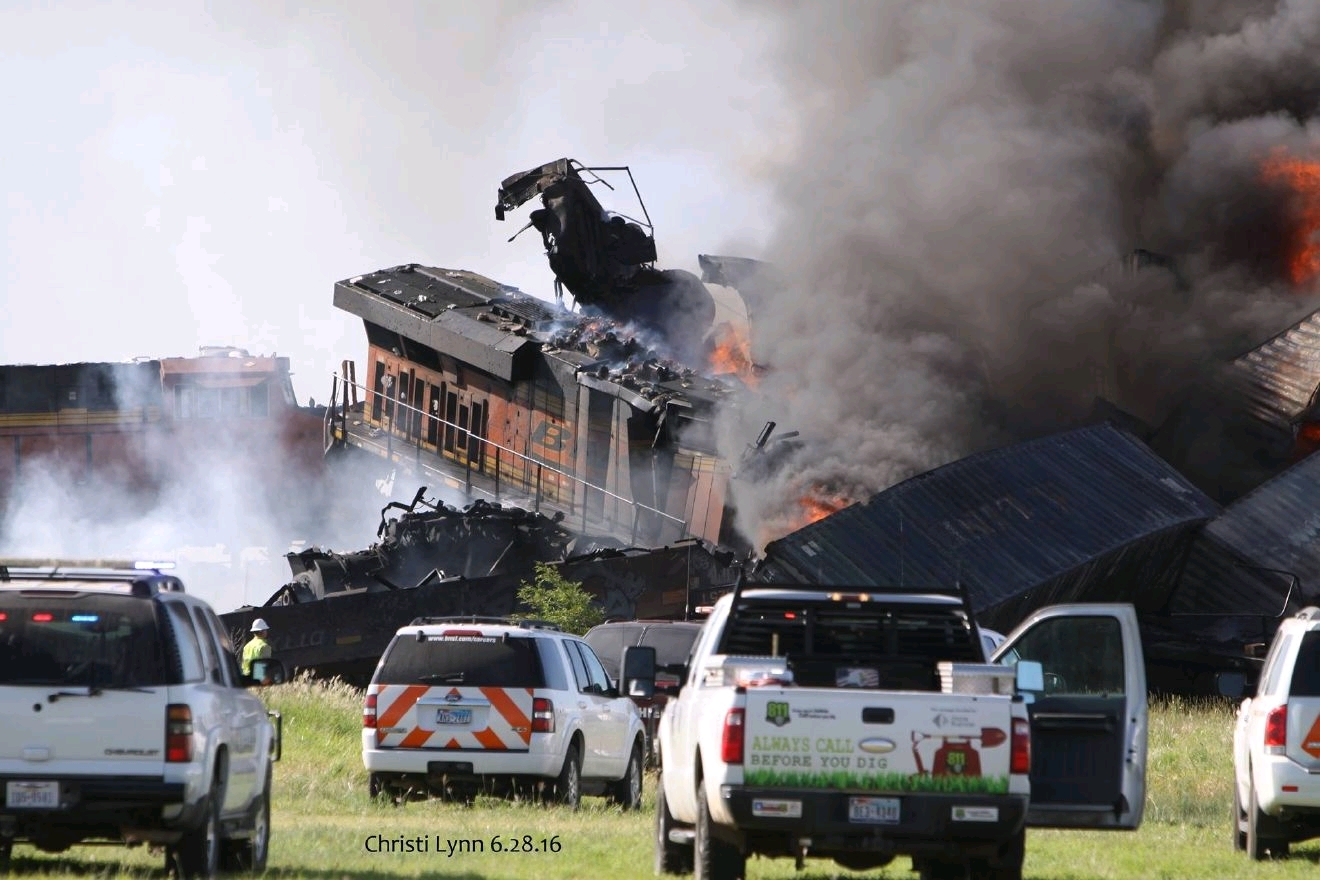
(1276, 745)
(461, 705)
(126, 719)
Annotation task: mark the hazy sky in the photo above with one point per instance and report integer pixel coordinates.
(178, 175)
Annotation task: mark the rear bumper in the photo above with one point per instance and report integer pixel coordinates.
(459, 763)
(100, 807)
(1274, 773)
(928, 824)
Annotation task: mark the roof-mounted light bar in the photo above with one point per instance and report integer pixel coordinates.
(82, 569)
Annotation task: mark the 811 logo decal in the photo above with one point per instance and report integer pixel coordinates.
(777, 713)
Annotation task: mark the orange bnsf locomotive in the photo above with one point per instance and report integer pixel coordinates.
(508, 397)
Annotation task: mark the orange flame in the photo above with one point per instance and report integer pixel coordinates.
(732, 354)
(816, 505)
(1302, 178)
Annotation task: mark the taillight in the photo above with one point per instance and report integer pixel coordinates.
(1020, 757)
(543, 715)
(1276, 730)
(369, 711)
(178, 733)
(731, 742)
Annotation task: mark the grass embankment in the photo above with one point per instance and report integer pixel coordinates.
(323, 818)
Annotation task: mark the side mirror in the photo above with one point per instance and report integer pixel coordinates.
(270, 671)
(1030, 676)
(1231, 684)
(639, 671)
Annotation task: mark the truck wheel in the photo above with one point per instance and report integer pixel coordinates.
(670, 857)
(568, 787)
(199, 848)
(1239, 821)
(714, 859)
(1258, 843)
(627, 792)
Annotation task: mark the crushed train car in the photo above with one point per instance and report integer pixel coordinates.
(1090, 515)
(607, 259)
(340, 609)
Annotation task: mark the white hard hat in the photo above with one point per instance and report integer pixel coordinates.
(259, 626)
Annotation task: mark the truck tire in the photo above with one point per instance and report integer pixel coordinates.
(714, 859)
(568, 786)
(670, 857)
(627, 792)
(1262, 841)
(199, 848)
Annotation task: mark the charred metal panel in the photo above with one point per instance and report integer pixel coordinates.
(1278, 379)
(1277, 526)
(1087, 515)
(426, 306)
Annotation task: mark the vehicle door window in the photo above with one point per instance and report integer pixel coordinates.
(600, 682)
(1306, 670)
(579, 668)
(1272, 680)
(185, 637)
(214, 669)
(228, 656)
(1079, 655)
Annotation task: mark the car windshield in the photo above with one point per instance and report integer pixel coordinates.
(79, 640)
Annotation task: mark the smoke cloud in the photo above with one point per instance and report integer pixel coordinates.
(958, 187)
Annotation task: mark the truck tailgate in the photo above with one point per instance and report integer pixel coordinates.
(852, 739)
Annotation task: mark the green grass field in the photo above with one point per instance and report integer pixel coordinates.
(323, 819)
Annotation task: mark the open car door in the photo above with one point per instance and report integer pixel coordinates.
(1088, 724)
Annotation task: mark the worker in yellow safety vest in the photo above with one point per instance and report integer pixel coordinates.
(257, 648)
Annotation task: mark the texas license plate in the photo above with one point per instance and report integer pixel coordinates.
(27, 794)
(872, 810)
(453, 716)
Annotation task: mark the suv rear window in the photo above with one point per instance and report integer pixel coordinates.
(79, 640)
(1306, 672)
(673, 644)
(467, 660)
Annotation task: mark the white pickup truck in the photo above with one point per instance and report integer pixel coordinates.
(860, 725)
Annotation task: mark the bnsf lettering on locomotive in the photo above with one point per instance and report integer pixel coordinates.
(550, 435)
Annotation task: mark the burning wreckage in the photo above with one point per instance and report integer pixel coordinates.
(600, 418)
(340, 610)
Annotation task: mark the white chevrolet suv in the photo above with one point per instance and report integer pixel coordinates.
(464, 705)
(1276, 745)
(126, 719)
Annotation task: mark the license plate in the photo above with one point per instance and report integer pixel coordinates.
(453, 716)
(24, 794)
(875, 811)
